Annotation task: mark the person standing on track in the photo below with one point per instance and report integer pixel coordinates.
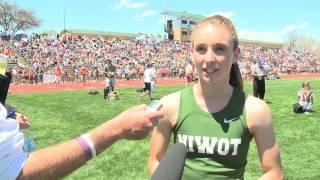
(259, 73)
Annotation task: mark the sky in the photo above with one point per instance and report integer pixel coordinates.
(269, 20)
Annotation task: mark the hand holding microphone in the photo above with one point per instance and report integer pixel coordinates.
(137, 122)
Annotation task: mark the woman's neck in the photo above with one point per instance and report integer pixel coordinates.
(212, 98)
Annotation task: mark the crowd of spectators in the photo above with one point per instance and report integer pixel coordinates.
(169, 58)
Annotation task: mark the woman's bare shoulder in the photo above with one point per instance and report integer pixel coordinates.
(170, 106)
(257, 112)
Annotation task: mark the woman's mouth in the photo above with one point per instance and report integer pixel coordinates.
(211, 69)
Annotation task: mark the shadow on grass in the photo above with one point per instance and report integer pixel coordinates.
(268, 102)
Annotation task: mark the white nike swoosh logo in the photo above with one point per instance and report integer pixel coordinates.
(227, 121)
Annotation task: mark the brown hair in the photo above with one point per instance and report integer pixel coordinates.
(235, 75)
(306, 84)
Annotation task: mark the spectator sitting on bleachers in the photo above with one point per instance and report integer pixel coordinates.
(169, 57)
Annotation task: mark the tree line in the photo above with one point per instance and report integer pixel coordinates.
(14, 18)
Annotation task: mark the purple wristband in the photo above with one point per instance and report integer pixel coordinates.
(85, 147)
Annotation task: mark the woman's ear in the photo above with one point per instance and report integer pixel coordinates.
(236, 55)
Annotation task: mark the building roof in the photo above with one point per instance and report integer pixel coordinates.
(50, 31)
(184, 15)
(101, 33)
(246, 42)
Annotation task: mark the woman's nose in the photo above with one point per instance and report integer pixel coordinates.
(210, 56)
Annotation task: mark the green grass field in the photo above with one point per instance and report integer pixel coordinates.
(56, 117)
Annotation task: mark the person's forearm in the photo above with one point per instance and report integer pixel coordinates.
(59, 160)
(105, 135)
(50, 163)
(272, 174)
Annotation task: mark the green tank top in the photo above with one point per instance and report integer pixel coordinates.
(218, 142)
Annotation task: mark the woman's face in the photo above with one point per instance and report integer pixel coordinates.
(213, 52)
(307, 86)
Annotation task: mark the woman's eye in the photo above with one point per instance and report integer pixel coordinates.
(201, 50)
(220, 48)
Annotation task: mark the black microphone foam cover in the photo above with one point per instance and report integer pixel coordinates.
(172, 165)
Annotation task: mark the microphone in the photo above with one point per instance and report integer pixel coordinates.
(172, 165)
